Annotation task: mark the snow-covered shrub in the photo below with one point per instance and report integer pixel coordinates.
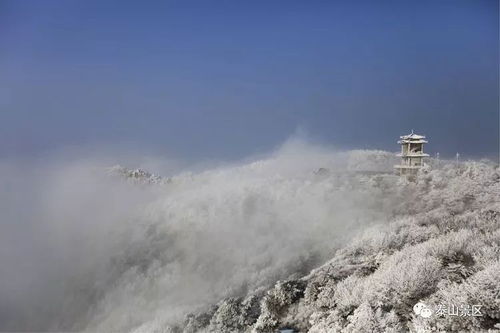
(366, 319)
(480, 290)
(349, 294)
(276, 301)
(235, 315)
(403, 279)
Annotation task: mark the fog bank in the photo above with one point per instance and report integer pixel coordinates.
(84, 249)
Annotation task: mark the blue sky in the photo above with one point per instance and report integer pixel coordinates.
(224, 79)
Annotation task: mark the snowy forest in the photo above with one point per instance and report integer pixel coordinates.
(307, 239)
(249, 166)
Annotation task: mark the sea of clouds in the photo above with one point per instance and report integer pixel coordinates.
(83, 249)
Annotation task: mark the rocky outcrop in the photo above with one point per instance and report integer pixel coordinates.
(138, 176)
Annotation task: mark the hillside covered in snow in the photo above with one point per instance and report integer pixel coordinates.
(441, 247)
(306, 239)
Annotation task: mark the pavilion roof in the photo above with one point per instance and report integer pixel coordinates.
(412, 136)
(412, 141)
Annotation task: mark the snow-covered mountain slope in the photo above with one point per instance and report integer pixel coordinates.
(233, 230)
(441, 247)
(435, 240)
(306, 238)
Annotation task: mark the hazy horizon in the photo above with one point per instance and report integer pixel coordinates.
(271, 128)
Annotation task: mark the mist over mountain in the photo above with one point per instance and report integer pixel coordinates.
(308, 238)
(249, 166)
